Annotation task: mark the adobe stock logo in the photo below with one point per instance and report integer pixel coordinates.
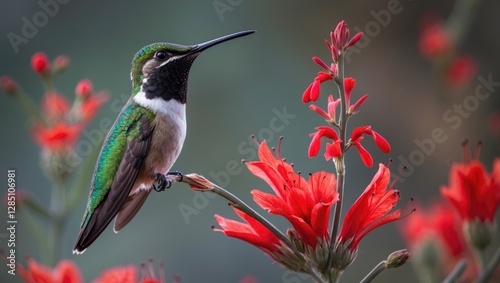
(38, 20)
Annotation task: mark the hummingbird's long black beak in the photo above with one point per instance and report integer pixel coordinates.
(202, 46)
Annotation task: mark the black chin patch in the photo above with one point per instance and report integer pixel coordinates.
(170, 80)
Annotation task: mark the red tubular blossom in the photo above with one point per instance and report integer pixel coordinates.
(118, 274)
(312, 91)
(91, 105)
(340, 35)
(66, 271)
(370, 210)
(353, 109)
(57, 137)
(354, 39)
(306, 204)
(55, 106)
(473, 191)
(323, 131)
(320, 111)
(349, 84)
(252, 232)
(357, 137)
(333, 150)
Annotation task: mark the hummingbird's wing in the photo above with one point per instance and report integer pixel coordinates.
(121, 156)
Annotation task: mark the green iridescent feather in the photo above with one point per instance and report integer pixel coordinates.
(112, 153)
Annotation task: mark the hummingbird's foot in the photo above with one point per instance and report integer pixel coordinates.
(176, 173)
(163, 183)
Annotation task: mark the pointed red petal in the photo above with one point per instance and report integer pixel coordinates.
(364, 154)
(306, 97)
(381, 142)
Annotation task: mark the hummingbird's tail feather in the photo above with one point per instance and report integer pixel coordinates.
(130, 209)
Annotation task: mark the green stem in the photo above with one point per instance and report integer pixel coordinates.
(340, 166)
(480, 257)
(457, 272)
(28, 106)
(490, 268)
(460, 19)
(374, 272)
(58, 207)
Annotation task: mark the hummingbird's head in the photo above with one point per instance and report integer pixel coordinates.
(162, 69)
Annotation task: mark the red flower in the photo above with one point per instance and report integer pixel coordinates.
(461, 70)
(473, 191)
(371, 210)
(332, 107)
(306, 204)
(339, 44)
(312, 91)
(128, 274)
(435, 234)
(65, 272)
(120, 274)
(323, 131)
(83, 89)
(357, 137)
(40, 63)
(435, 39)
(58, 136)
(349, 84)
(439, 224)
(253, 232)
(339, 40)
(55, 106)
(91, 105)
(8, 85)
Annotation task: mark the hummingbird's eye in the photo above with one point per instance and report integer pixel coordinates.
(161, 55)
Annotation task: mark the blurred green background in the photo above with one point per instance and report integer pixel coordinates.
(233, 89)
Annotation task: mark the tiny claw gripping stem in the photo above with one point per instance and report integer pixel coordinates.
(176, 173)
(163, 183)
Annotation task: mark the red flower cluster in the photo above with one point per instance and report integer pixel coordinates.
(473, 191)
(63, 121)
(436, 43)
(338, 45)
(371, 210)
(335, 149)
(306, 204)
(439, 224)
(68, 272)
(435, 234)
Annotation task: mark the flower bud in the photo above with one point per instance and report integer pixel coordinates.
(40, 63)
(8, 85)
(397, 258)
(83, 89)
(61, 63)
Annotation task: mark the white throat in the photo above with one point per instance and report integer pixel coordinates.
(172, 109)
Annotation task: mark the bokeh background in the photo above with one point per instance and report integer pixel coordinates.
(233, 89)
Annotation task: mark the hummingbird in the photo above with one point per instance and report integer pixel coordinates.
(145, 140)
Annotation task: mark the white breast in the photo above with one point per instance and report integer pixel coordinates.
(169, 133)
